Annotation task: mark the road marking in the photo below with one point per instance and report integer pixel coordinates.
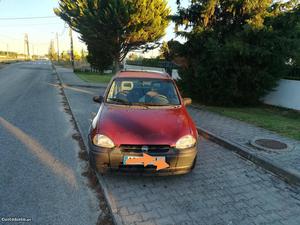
(42, 154)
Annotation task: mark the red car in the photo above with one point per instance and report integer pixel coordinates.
(143, 126)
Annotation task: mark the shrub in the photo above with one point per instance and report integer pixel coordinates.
(234, 56)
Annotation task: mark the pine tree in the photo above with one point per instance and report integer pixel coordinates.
(112, 28)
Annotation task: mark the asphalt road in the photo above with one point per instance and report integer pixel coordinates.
(40, 171)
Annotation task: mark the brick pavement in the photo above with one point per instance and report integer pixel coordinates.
(241, 133)
(223, 189)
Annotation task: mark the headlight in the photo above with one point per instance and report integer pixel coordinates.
(186, 141)
(103, 141)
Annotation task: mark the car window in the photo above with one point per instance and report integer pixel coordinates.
(136, 91)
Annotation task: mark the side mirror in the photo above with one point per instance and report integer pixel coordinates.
(98, 99)
(187, 101)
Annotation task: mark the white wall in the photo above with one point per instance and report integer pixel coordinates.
(287, 95)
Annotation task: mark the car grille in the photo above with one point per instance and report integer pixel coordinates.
(151, 148)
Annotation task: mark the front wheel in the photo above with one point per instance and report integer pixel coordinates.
(92, 162)
(93, 166)
(194, 163)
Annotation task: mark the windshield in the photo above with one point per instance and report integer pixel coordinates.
(143, 91)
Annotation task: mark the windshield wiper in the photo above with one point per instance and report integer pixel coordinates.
(141, 104)
(153, 104)
(148, 105)
(118, 100)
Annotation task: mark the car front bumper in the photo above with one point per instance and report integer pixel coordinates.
(105, 160)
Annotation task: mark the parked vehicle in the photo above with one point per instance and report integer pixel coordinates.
(143, 126)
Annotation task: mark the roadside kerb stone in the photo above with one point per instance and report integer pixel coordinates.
(87, 85)
(111, 205)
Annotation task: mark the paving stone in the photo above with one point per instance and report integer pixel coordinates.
(149, 222)
(123, 211)
(131, 219)
(153, 214)
(136, 208)
(241, 133)
(211, 198)
(221, 178)
(165, 221)
(292, 221)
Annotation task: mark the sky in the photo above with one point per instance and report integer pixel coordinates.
(41, 31)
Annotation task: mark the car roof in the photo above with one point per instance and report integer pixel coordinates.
(143, 74)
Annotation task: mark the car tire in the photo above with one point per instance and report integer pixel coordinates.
(194, 163)
(92, 162)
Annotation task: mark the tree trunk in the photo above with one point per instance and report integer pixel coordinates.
(116, 66)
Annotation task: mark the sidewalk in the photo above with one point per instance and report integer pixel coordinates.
(283, 163)
(232, 134)
(69, 78)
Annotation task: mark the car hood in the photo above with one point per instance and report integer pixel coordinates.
(141, 126)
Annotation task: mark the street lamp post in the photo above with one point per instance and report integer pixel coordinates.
(57, 42)
(72, 49)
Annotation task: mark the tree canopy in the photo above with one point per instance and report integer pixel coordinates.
(112, 28)
(236, 50)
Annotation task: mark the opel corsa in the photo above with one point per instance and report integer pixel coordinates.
(143, 126)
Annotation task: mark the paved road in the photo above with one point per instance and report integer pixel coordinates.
(223, 188)
(40, 173)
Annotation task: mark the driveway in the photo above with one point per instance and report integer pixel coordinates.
(223, 188)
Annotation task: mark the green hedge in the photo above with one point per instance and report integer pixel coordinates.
(294, 74)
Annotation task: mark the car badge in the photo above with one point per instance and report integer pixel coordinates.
(145, 148)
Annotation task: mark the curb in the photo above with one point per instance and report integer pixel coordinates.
(110, 202)
(290, 176)
(111, 205)
(86, 86)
